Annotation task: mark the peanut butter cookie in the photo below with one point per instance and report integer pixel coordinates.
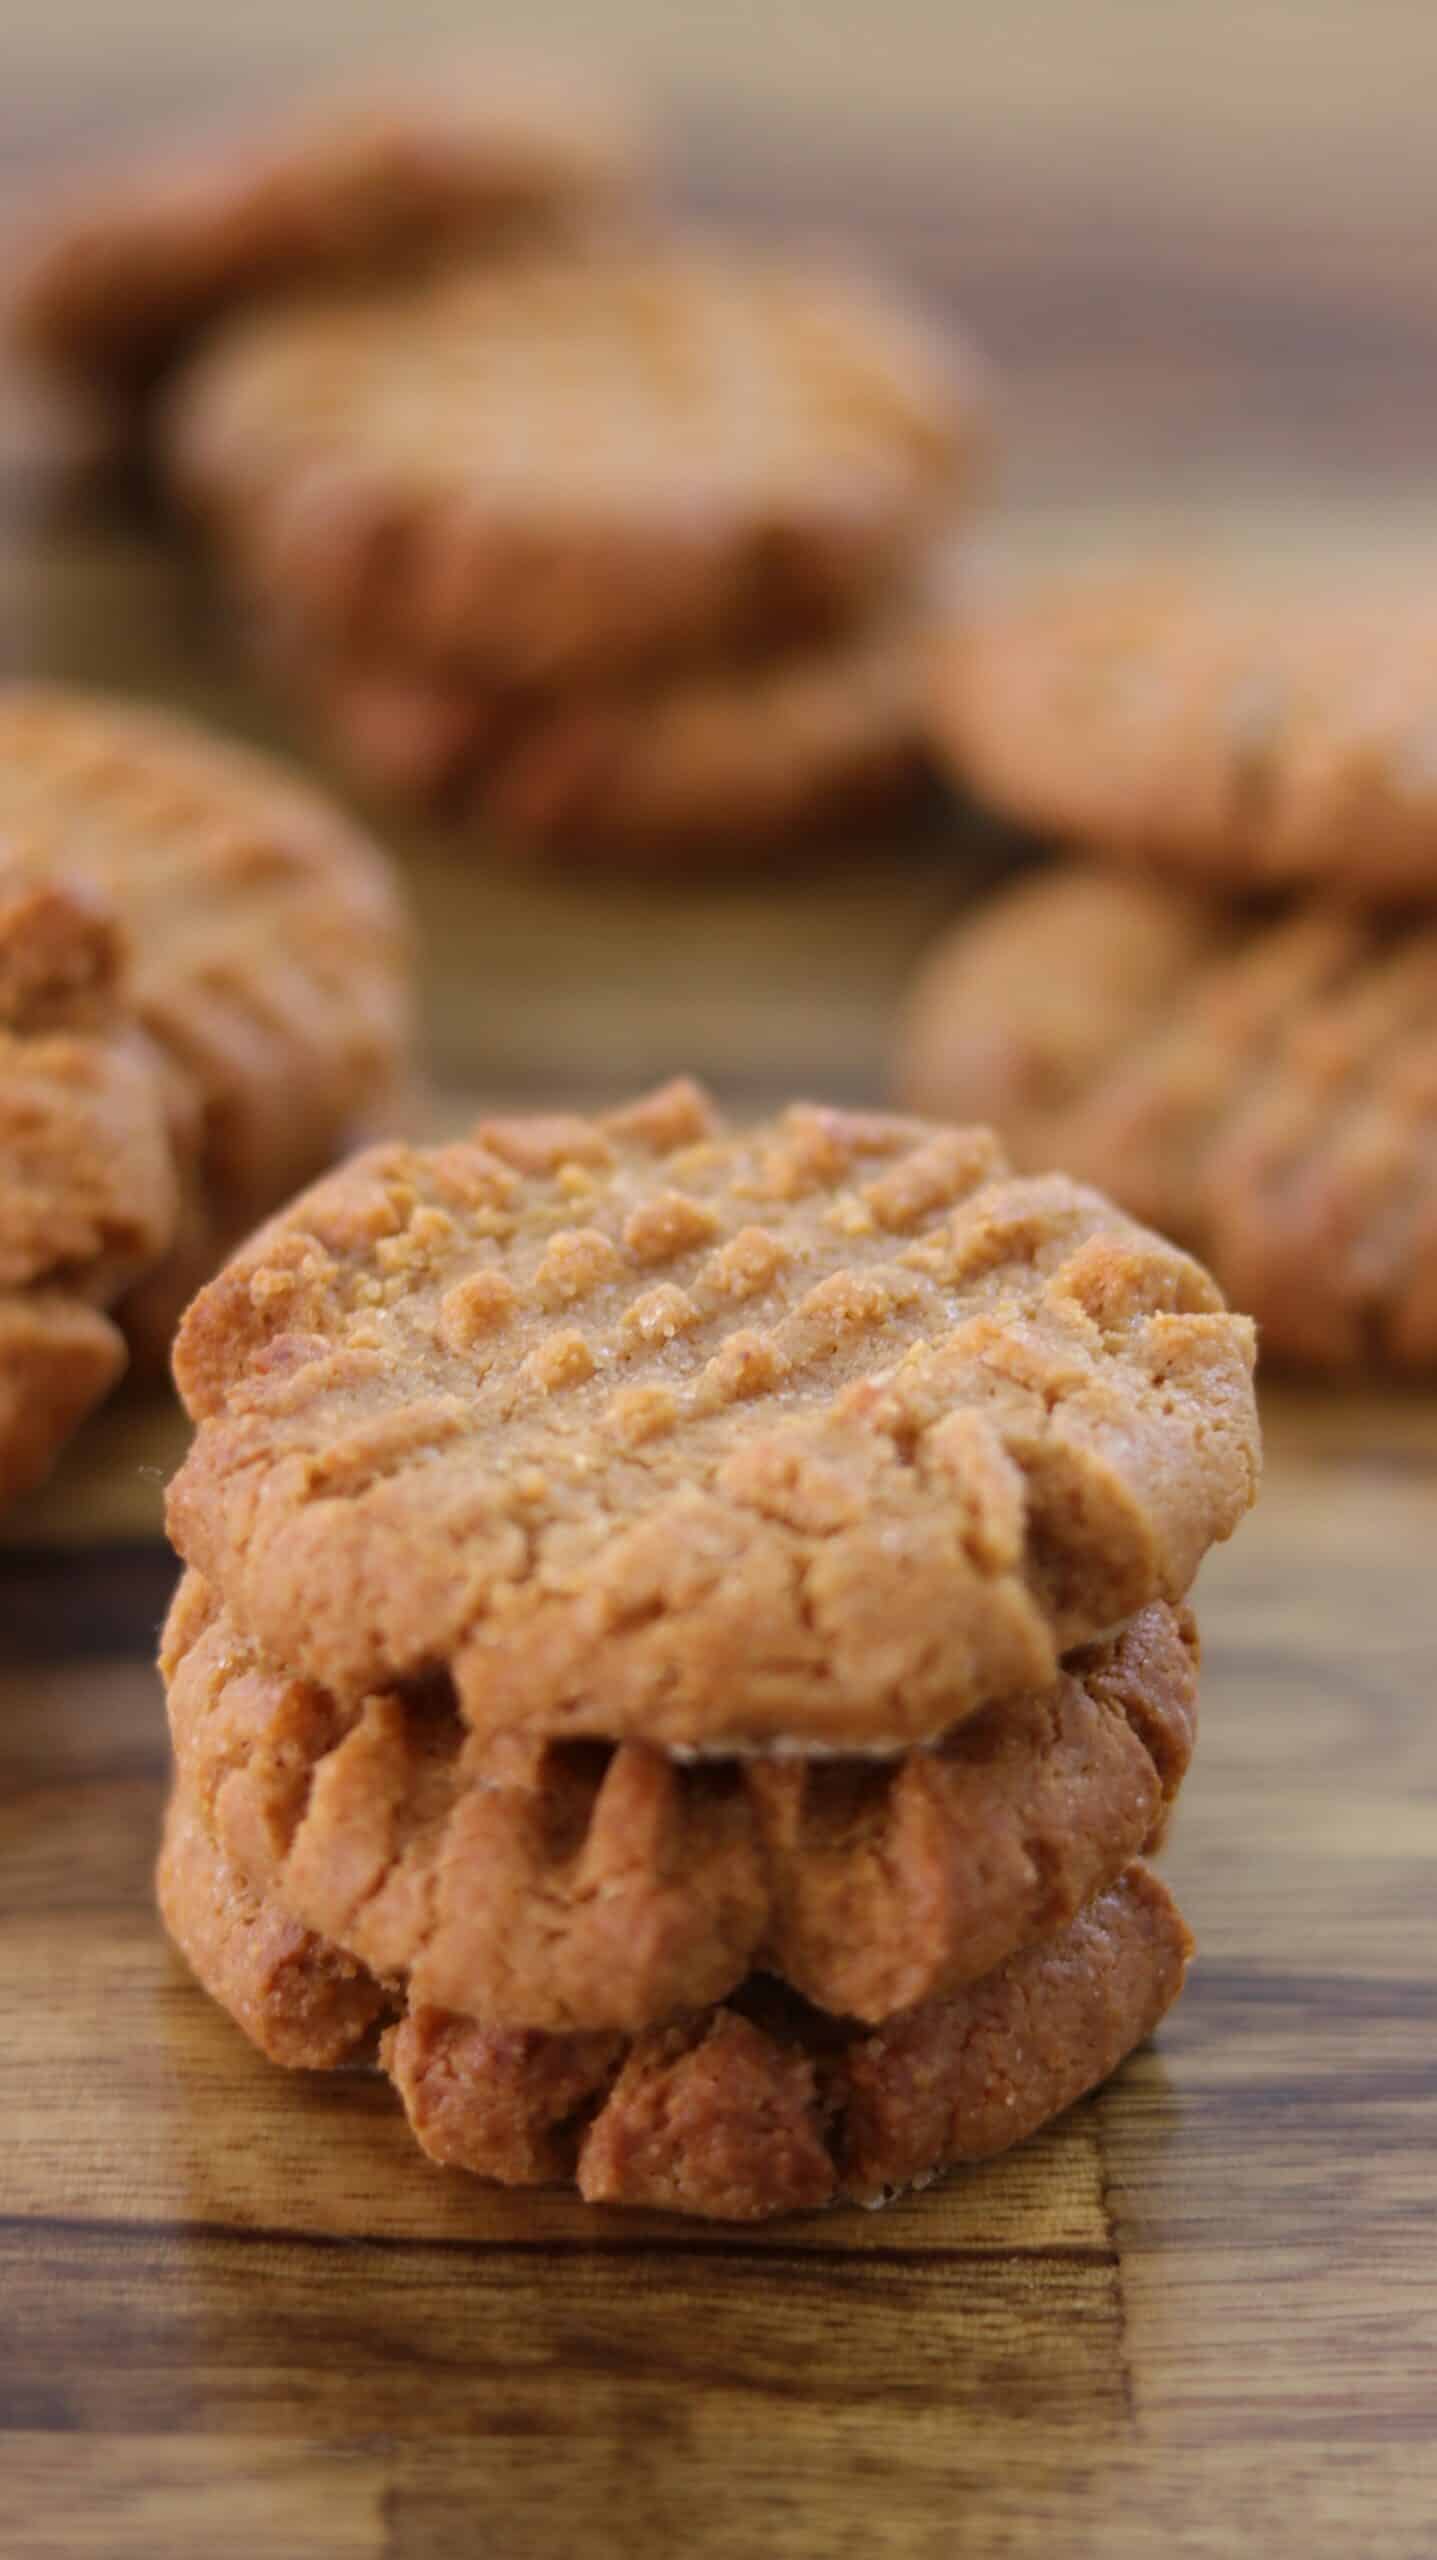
(1258, 741)
(720, 762)
(735, 2113)
(559, 1886)
(1263, 1087)
(562, 466)
(825, 1434)
(88, 1194)
(268, 959)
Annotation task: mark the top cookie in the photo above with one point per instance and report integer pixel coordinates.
(824, 1435)
(571, 463)
(268, 953)
(1254, 740)
(124, 272)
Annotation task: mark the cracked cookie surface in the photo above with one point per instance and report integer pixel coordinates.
(827, 1433)
(1257, 741)
(1262, 1087)
(562, 1886)
(267, 951)
(566, 466)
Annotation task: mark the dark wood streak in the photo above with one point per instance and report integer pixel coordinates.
(680, 2240)
(82, 1604)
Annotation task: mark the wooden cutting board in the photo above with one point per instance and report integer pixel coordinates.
(238, 2312)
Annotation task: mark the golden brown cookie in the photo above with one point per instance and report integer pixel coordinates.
(88, 1194)
(118, 276)
(1261, 741)
(563, 1886)
(268, 952)
(827, 1433)
(736, 2113)
(1262, 1087)
(562, 466)
(720, 761)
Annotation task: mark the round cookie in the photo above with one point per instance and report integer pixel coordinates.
(562, 1886)
(1252, 740)
(736, 2113)
(824, 1434)
(268, 952)
(1262, 1087)
(88, 1196)
(118, 276)
(567, 465)
(721, 762)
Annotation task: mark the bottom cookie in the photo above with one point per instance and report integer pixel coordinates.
(718, 761)
(759, 2107)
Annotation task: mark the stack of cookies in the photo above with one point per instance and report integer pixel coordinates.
(684, 1640)
(621, 539)
(1227, 1014)
(204, 998)
(625, 548)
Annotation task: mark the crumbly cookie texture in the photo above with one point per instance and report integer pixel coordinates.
(562, 466)
(1176, 723)
(1262, 1087)
(827, 1432)
(736, 2113)
(268, 954)
(88, 1195)
(562, 1886)
(720, 761)
(119, 275)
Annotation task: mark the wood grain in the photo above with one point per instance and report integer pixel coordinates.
(238, 2311)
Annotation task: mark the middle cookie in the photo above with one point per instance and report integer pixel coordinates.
(570, 1886)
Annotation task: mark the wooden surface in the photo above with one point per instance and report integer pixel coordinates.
(238, 2312)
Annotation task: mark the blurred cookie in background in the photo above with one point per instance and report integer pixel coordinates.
(717, 763)
(268, 958)
(1259, 1083)
(1240, 735)
(111, 281)
(88, 1191)
(568, 466)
